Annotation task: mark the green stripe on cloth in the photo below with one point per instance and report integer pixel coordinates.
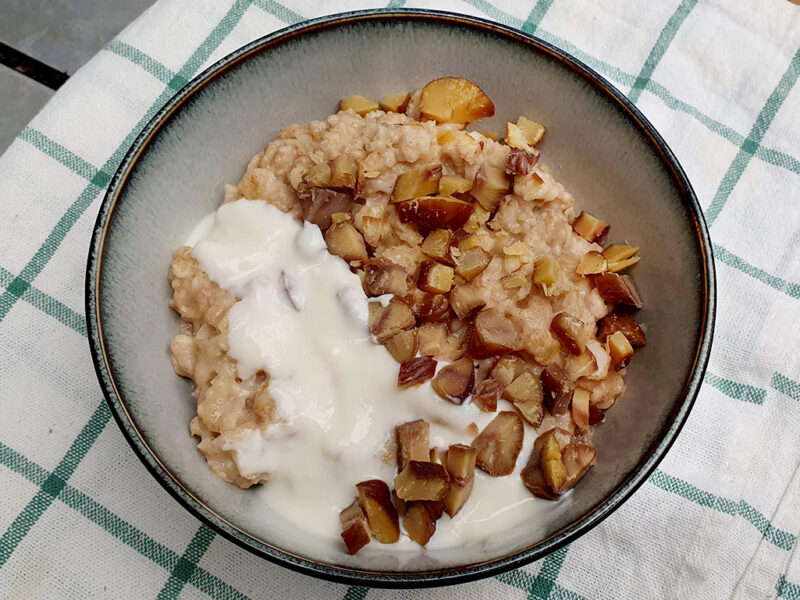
(541, 586)
(396, 4)
(750, 146)
(115, 526)
(53, 484)
(186, 564)
(727, 257)
(660, 48)
(140, 59)
(737, 391)
(779, 538)
(55, 150)
(495, 13)
(355, 593)
(785, 386)
(787, 590)
(279, 10)
(536, 15)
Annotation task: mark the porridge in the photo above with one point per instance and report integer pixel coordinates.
(505, 323)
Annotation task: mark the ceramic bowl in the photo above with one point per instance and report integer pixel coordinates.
(598, 144)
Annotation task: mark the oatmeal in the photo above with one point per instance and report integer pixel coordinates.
(464, 258)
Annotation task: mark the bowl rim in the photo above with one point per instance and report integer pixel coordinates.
(363, 577)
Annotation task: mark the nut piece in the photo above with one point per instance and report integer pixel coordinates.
(521, 162)
(592, 263)
(345, 241)
(545, 271)
(359, 104)
(533, 479)
(437, 245)
(435, 278)
(617, 289)
(571, 331)
(402, 346)
(526, 394)
(596, 415)
(620, 350)
(577, 459)
(420, 520)
(454, 382)
(435, 339)
(343, 173)
(472, 262)
(499, 444)
(531, 129)
(318, 175)
(434, 212)
(439, 456)
(554, 471)
(515, 137)
(465, 301)
(624, 323)
(324, 204)
(452, 184)
(355, 529)
(395, 102)
(491, 333)
(487, 393)
(620, 256)
(490, 185)
(580, 408)
(429, 308)
(413, 442)
(385, 322)
(507, 369)
(416, 183)
(589, 227)
(416, 371)
(558, 388)
(384, 277)
(454, 100)
(422, 480)
(376, 502)
(461, 468)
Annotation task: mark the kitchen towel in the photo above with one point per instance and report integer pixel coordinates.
(80, 517)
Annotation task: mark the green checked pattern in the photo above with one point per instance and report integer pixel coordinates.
(769, 530)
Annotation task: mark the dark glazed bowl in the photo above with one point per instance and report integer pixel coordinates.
(598, 144)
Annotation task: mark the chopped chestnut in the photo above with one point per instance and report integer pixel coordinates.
(507, 368)
(450, 185)
(592, 263)
(454, 381)
(324, 203)
(465, 301)
(491, 334)
(521, 162)
(532, 131)
(359, 104)
(596, 415)
(545, 271)
(395, 102)
(417, 182)
(454, 100)
(620, 256)
(553, 469)
(388, 321)
(384, 277)
(436, 340)
(472, 262)
(577, 459)
(437, 245)
(435, 278)
(422, 480)
(434, 212)
(355, 528)
(487, 393)
(345, 241)
(580, 408)
(525, 392)
(416, 371)
(499, 444)
(490, 185)
(571, 331)
(419, 520)
(461, 468)
(533, 479)
(318, 175)
(413, 442)
(617, 289)
(626, 324)
(620, 350)
(376, 502)
(558, 388)
(343, 173)
(403, 346)
(429, 308)
(589, 227)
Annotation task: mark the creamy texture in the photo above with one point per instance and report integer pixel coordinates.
(301, 316)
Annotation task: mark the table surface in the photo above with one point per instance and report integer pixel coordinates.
(43, 42)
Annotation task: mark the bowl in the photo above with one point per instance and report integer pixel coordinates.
(598, 144)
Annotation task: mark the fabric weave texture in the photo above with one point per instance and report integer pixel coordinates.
(80, 517)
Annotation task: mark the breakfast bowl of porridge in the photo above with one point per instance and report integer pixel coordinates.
(400, 298)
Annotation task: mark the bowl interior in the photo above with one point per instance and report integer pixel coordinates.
(593, 145)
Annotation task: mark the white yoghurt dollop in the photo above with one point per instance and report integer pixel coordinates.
(302, 317)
